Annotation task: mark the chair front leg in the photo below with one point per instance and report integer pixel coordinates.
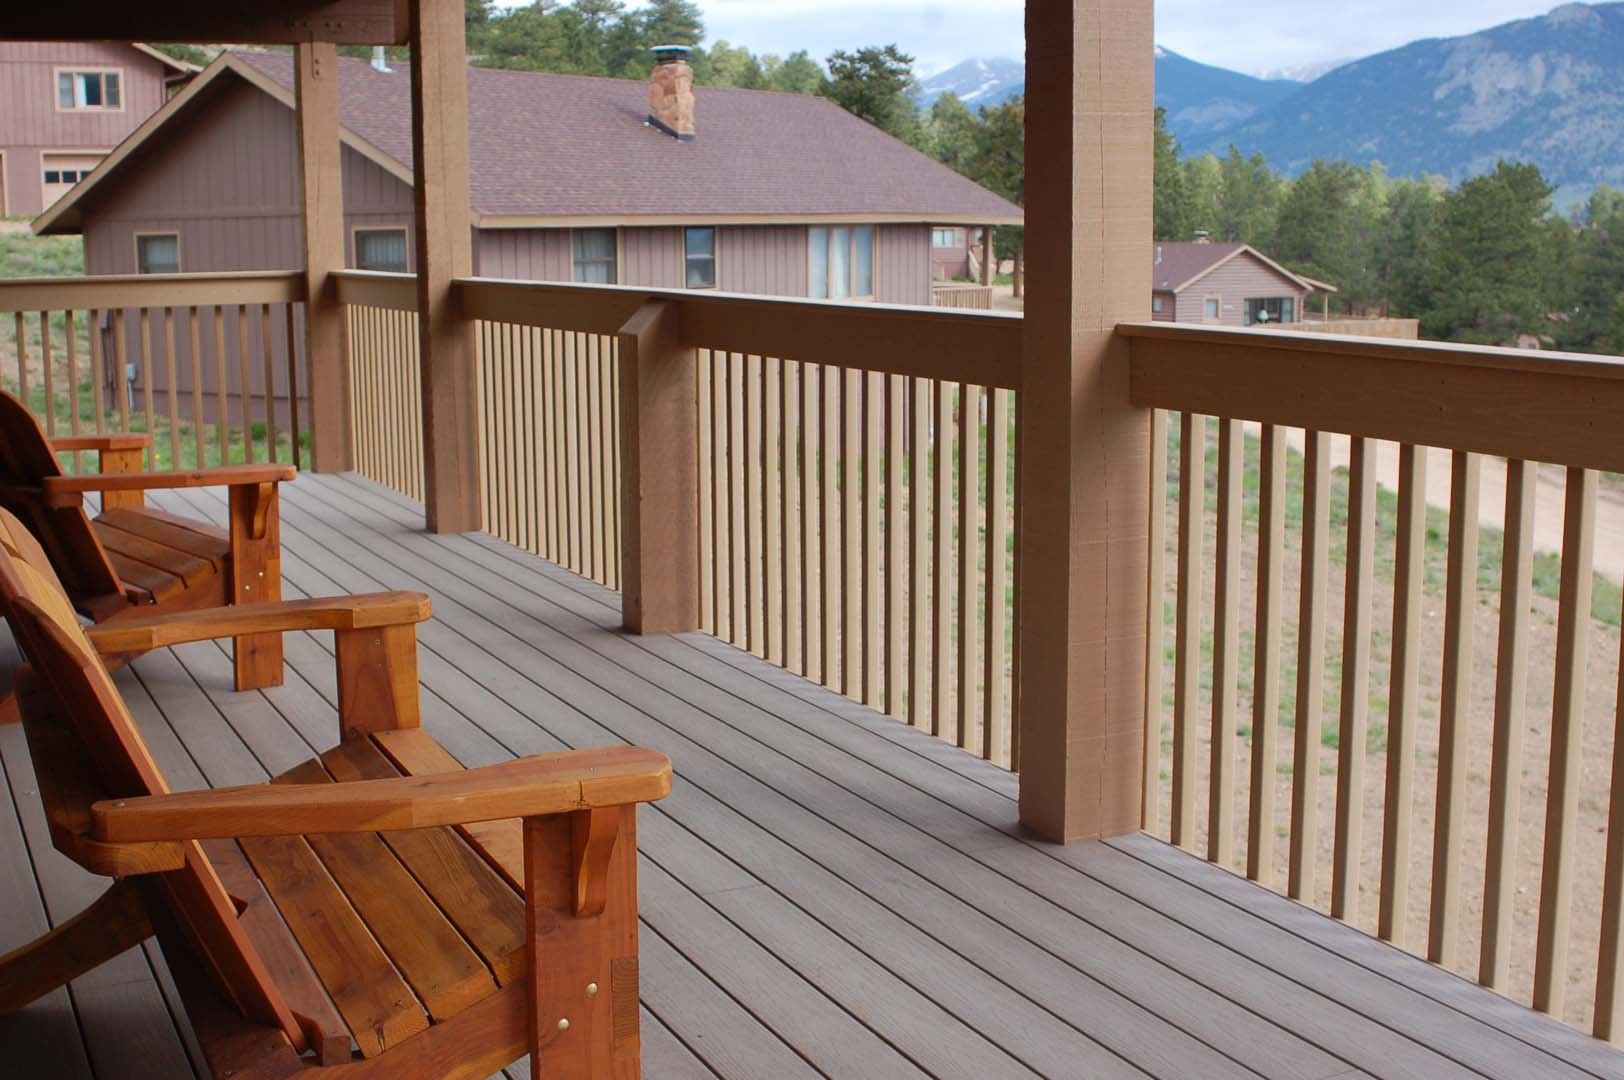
(116, 921)
(255, 577)
(581, 918)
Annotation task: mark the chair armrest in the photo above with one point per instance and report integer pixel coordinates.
(536, 786)
(101, 443)
(67, 490)
(143, 633)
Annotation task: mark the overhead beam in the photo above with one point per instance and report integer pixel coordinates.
(1084, 445)
(274, 22)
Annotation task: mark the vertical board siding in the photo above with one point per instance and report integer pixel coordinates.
(652, 257)
(770, 260)
(1243, 278)
(902, 264)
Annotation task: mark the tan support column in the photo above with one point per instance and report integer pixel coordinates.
(659, 477)
(987, 265)
(1084, 449)
(444, 251)
(321, 175)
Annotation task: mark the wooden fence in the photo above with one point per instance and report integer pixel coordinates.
(209, 364)
(1345, 803)
(961, 296)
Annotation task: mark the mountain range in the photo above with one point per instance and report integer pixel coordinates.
(1549, 90)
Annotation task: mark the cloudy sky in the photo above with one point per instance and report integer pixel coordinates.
(1248, 35)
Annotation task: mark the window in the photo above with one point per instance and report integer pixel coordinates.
(842, 262)
(595, 256)
(157, 253)
(89, 90)
(381, 249)
(947, 238)
(1214, 309)
(1274, 309)
(61, 171)
(1156, 305)
(699, 258)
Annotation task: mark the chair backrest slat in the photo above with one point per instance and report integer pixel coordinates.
(77, 687)
(26, 459)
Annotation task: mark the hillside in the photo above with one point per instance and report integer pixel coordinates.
(1200, 99)
(1549, 90)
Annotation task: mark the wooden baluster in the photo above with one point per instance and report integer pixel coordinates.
(1226, 645)
(1155, 623)
(895, 535)
(174, 390)
(811, 532)
(1271, 549)
(1353, 724)
(510, 491)
(21, 341)
(755, 594)
(874, 628)
(830, 536)
(615, 562)
(71, 324)
(919, 519)
(772, 506)
(146, 386)
(722, 435)
(293, 383)
(1187, 657)
(995, 714)
(245, 388)
(1567, 742)
(794, 464)
(46, 369)
(98, 370)
(549, 441)
(121, 368)
(194, 339)
(1510, 699)
(1609, 1022)
(1310, 669)
(969, 560)
(222, 422)
(597, 404)
(707, 494)
(942, 586)
(1404, 675)
(269, 356)
(1454, 728)
(738, 509)
(851, 521)
(486, 393)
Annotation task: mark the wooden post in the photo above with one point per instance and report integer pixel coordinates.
(659, 477)
(451, 460)
(1084, 451)
(987, 266)
(322, 186)
(1019, 276)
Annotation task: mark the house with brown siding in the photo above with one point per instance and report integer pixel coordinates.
(1226, 285)
(573, 179)
(64, 105)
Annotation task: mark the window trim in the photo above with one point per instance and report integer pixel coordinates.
(614, 259)
(851, 263)
(1247, 318)
(135, 244)
(5, 191)
(1212, 298)
(960, 232)
(56, 89)
(715, 256)
(355, 245)
(1158, 304)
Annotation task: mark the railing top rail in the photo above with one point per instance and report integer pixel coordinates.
(1310, 344)
(150, 290)
(1561, 408)
(961, 346)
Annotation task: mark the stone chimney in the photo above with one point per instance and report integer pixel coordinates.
(671, 92)
(1202, 236)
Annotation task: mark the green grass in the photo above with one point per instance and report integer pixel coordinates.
(24, 255)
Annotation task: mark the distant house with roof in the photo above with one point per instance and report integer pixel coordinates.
(778, 194)
(1226, 285)
(64, 105)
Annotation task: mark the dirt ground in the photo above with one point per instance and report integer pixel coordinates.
(1589, 852)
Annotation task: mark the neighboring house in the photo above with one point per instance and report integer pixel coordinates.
(955, 252)
(64, 105)
(778, 194)
(1227, 285)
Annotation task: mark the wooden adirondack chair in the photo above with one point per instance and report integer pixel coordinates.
(375, 912)
(133, 560)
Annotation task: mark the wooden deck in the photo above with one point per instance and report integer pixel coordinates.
(826, 892)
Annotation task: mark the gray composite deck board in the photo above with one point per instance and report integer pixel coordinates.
(826, 892)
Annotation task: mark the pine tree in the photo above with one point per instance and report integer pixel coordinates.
(1173, 210)
(1486, 282)
(877, 84)
(950, 133)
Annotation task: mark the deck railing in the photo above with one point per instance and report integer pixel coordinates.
(385, 378)
(210, 364)
(1415, 787)
(965, 297)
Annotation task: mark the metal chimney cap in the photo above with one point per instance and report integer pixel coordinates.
(665, 54)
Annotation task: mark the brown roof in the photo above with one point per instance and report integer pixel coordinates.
(577, 146)
(1178, 265)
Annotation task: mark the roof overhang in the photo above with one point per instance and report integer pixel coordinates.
(259, 22)
(1308, 284)
(180, 67)
(604, 221)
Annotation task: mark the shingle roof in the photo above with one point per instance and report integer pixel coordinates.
(1180, 264)
(577, 146)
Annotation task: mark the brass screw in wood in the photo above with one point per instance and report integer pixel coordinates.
(591, 989)
(564, 1024)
